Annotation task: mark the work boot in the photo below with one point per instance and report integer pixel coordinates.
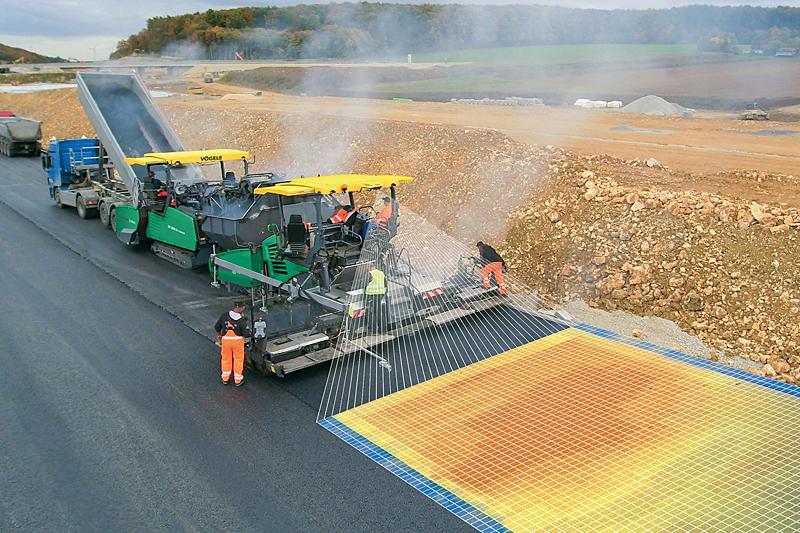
(225, 382)
(237, 385)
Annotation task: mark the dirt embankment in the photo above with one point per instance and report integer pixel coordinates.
(722, 268)
(621, 234)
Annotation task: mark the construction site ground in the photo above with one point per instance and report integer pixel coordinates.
(711, 142)
(694, 221)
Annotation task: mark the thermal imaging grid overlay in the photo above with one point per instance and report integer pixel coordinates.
(583, 429)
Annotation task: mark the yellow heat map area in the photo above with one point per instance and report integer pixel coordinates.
(574, 431)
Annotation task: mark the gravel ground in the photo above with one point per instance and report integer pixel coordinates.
(656, 330)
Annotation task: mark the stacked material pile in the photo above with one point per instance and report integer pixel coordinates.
(655, 105)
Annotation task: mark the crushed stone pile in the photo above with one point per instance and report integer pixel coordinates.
(655, 105)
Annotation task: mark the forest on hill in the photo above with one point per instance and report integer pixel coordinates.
(10, 54)
(361, 30)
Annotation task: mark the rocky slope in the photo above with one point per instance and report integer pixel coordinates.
(723, 269)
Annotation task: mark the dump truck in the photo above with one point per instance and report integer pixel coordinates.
(20, 136)
(275, 238)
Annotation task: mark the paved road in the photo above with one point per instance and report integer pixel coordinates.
(111, 414)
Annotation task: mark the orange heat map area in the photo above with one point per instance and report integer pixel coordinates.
(577, 431)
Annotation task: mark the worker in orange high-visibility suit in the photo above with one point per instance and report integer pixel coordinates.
(231, 331)
(494, 265)
(385, 214)
(342, 216)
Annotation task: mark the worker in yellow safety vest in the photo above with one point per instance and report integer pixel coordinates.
(375, 292)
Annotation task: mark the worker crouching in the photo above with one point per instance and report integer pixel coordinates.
(231, 331)
(493, 265)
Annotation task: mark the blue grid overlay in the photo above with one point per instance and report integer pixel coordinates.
(463, 510)
(695, 361)
(467, 512)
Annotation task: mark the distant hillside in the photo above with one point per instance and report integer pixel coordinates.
(372, 29)
(9, 54)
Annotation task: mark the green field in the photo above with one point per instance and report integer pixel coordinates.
(559, 74)
(552, 54)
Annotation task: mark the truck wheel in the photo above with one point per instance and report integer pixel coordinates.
(57, 199)
(112, 219)
(105, 214)
(84, 211)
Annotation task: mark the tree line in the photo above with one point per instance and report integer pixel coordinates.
(353, 30)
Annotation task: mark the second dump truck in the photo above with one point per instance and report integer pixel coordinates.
(20, 136)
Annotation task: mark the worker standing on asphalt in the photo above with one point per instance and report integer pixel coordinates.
(231, 331)
(375, 293)
(493, 265)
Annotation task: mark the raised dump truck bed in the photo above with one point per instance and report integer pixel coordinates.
(20, 136)
(129, 124)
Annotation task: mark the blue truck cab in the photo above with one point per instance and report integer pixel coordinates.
(73, 169)
(65, 157)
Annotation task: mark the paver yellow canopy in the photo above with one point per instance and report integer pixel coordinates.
(584, 430)
(188, 157)
(337, 183)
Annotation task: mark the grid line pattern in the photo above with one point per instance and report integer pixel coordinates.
(584, 429)
(437, 493)
(699, 362)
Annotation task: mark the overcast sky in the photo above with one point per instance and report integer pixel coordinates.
(86, 29)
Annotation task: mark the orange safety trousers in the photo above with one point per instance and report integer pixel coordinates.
(232, 357)
(496, 269)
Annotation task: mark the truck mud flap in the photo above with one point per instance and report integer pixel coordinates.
(129, 236)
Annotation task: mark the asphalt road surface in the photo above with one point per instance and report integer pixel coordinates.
(111, 411)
